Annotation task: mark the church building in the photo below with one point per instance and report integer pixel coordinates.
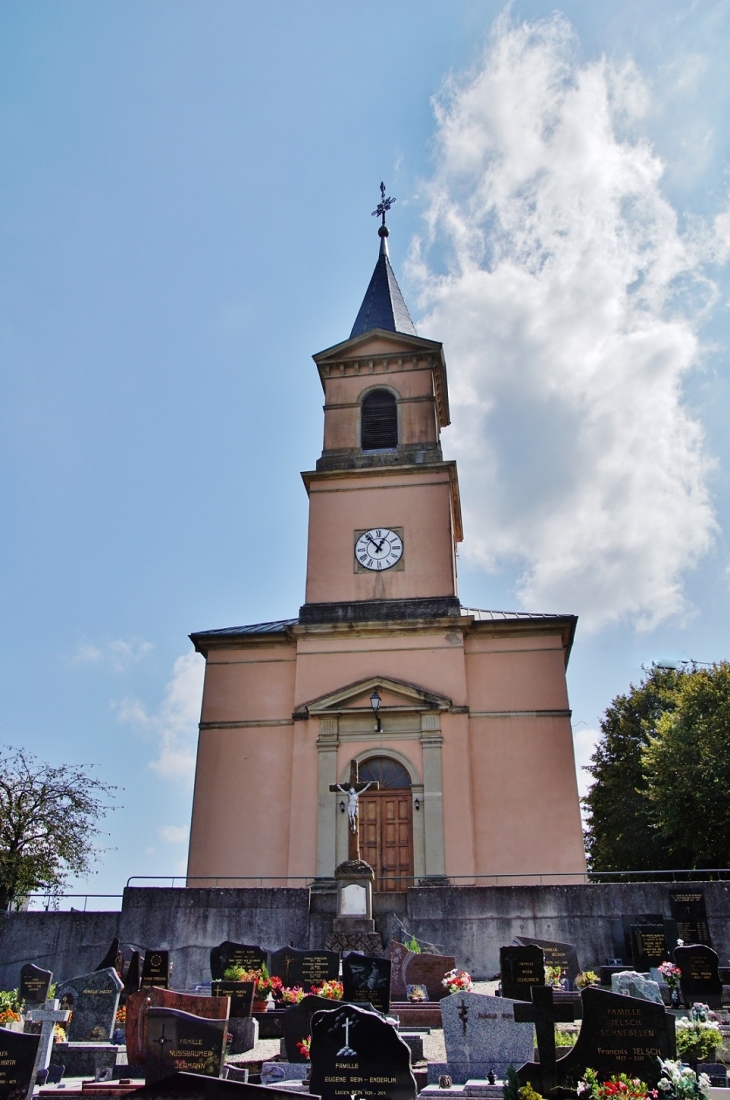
(460, 715)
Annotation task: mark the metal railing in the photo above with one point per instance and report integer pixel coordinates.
(52, 903)
(382, 882)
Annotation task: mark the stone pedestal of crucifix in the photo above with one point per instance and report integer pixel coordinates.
(354, 927)
(47, 1016)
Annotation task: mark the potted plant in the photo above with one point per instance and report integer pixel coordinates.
(265, 987)
(679, 1082)
(618, 1087)
(587, 978)
(672, 976)
(10, 1010)
(698, 1036)
(291, 995)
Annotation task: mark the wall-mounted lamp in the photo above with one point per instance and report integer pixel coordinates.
(417, 803)
(375, 702)
(342, 806)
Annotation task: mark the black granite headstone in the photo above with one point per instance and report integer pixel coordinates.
(17, 1059)
(180, 1041)
(618, 1035)
(520, 969)
(112, 957)
(304, 968)
(34, 984)
(564, 955)
(357, 1052)
(622, 932)
(366, 980)
(298, 1024)
(241, 994)
(688, 910)
(132, 977)
(648, 946)
(700, 979)
(156, 969)
(249, 956)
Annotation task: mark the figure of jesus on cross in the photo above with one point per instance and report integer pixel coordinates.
(353, 790)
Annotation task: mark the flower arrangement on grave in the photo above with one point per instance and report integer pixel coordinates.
(291, 995)
(553, 974)
(618, 1087)
(59, 1033)
(121, 1016)
(411, 944)
(679, 1082)
(10, 1007)
(698, 1035)
(417, 993)
(236, 973)
(266, 986)
(457, 981)
(332, 989)
(671, 974)
(303, 1046)
(587, 978)
(527, 1092)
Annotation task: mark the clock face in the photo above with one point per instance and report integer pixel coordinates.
(379, 548)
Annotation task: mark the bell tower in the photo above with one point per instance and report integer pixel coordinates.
(384, 511)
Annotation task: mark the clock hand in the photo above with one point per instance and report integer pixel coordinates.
(377, 548)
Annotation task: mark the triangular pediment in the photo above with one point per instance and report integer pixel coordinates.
(396, 695)
(378, 341)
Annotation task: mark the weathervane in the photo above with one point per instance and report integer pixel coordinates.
(383, 206)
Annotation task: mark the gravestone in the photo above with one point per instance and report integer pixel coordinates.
(648, 945)
(357, 1052)
(210, 1008)
(631, 984)
(94, 999)
(132, 977)
(304, 968)
(366, 980)
(521, 968)
(399, 956)
(228, 953)
(241, 995)
(618, 1035)
(621, 933)
(156, 969)
(700, 979)
(555, 953)
(480, 1034)
(544, 1012)
(191, 1086)
(688, 910)
(428, 970)
(47, 1015)
(17, 1061)
(34, 984)
(180, 1041)
(112, 957)
(298, 1024)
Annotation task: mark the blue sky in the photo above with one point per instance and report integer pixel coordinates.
(185, 204)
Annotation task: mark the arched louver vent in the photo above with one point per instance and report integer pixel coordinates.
(379, 421)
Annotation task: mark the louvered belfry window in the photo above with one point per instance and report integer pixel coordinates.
(379, 429)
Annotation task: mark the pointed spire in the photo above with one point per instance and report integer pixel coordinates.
(383, 305)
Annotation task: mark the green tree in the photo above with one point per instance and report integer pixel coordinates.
(48, 823)
(687, 768)
(621, 833)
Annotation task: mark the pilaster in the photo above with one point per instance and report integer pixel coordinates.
(433, 810)
(327, 743)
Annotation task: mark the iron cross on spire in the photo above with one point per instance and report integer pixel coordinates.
(384, 205)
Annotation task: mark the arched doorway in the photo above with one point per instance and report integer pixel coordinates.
(386, 823)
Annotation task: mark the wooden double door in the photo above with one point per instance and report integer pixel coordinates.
(386, 837)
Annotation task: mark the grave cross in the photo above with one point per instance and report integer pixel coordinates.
(544, 1014)
(47, 1016)
(353, 790)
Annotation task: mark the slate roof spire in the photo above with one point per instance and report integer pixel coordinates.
(383, 305)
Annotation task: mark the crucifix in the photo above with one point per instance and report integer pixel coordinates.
(353, 790)
(383, 206)
(346, 1051)
(47, 1016)
(544, 1014)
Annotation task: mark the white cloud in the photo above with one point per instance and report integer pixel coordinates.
(570, 311)
(118, 654)
(174, 834)
(175, 723)
(584, 744)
